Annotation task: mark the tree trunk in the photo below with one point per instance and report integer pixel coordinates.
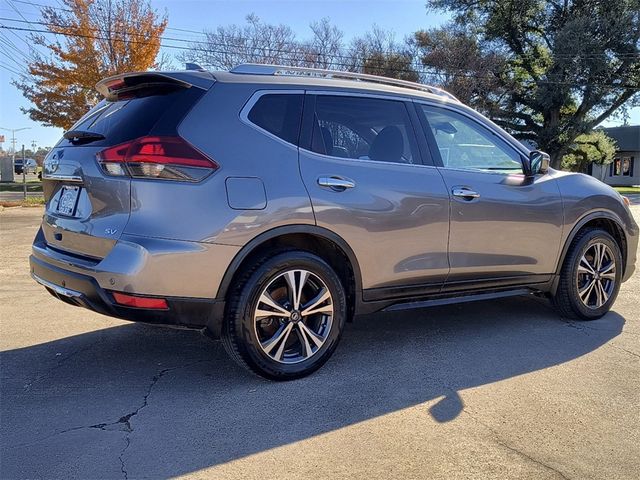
(556, 159)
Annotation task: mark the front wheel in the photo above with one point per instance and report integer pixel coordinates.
(590, 276)
(285, 316)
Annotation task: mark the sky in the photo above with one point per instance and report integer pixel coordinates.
(353, 17)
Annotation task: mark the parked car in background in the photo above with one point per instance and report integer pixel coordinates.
(29, 165)
(269, 205)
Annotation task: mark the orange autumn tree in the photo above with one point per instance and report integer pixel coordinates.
(94, 39)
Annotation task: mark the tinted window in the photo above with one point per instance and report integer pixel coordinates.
(124, 120)
(463, 143)
(279, 114)
(363, 128)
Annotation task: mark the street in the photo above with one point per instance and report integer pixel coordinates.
(13, 192)
(495, 389)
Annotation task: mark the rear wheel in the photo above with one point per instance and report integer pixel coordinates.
(285, 317)
(590, 276)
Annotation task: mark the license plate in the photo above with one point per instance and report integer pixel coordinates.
(68, 200)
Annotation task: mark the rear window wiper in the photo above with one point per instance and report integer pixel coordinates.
(82, 136)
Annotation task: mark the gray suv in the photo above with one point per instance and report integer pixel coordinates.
(269, 205)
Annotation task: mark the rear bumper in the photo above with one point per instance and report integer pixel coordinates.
(83, 291)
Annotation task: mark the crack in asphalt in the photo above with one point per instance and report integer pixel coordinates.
(578, 325)
(59, 364)
(584, 328)
(122, 466)
(515, 450)
(124, 421)
(623, 349)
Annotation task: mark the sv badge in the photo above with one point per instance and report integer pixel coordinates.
(110, 231)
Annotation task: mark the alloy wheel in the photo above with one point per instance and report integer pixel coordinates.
(596, 275)
(293, 316)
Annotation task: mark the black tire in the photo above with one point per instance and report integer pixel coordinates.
(241, 331)
(567, 299)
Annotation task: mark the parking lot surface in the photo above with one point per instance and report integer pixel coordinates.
(497, 389)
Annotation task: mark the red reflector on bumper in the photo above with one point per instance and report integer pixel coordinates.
(140, 302)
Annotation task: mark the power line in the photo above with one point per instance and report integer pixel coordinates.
(9, 68)
(33, 4)
(206, 42)
(291, 59)
(251, 51)
(34, 30)
(4, 51)
(12, 70)
(8, 43)
(13, 7)
(227, 45)
(10, 3)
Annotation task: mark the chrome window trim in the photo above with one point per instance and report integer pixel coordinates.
(253, 99)
(363, 160)
(379, 96)
(484, 172)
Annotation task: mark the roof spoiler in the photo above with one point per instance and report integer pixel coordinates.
(140, 84)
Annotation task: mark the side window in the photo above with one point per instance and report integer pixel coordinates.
(363, 128)
(463, 143)
(279, 114)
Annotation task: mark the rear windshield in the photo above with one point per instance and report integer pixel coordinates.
(125, 120)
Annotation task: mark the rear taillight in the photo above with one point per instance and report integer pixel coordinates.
(168, 158)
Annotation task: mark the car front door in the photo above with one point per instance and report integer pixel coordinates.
(361, 164)
(505, 227)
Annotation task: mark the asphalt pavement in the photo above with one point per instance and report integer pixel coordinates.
(496, 389)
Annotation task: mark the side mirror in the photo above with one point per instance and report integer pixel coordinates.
(538, 162)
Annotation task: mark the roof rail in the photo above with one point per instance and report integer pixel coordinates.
(263, 69)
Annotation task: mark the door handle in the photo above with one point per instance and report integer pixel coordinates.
(339, 184)
(464, 192)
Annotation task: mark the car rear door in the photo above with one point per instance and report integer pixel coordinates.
(505, 227)
(362, 166)
(88, 203)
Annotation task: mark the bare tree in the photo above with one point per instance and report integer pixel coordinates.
(255, 42)
(325, 49)
(377, 52)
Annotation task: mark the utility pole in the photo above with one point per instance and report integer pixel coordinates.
(13, 140)
(8, 170)
(24, 175)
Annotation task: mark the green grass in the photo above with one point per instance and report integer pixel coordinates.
(628, 190)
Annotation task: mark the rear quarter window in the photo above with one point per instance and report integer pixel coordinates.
(279, 114)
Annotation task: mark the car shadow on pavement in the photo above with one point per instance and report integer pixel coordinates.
(155, 402)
